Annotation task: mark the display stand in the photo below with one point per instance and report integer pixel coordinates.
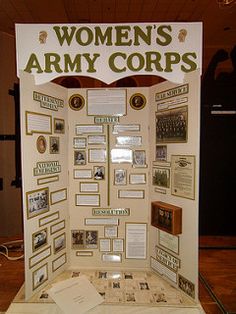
(111, 183)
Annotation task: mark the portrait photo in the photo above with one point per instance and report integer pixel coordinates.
(54, 144)
(99, 173)
(161, 153)
(41, 144)
(91, 239)
(79, 157)
(76, 102)
(120, 177)
(59, 125)
(39, 239)
(137, 101)
(139, 158)
(77, 239)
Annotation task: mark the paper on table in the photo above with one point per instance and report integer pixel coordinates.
(75, 296)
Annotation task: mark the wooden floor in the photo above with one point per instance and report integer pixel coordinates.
(217, 275)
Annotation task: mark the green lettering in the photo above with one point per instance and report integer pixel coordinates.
(91, 61)
(146, 37)
(112, 62)
(171, 58)
(122, 34)
(74, 65)
(101, 38)
(153, 57)
(80, 37)
(65, 36)
(139, 64)
(33, 64)
(191, 63)
(166, 37)
(52, 61)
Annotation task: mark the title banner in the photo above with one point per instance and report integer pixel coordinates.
(109, 52)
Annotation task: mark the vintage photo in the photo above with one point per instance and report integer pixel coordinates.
(139, 158)
(59, 243)
(161, 177)
(40, 275)
(39, 239)
(99, 172)
(137, 101)
(161, 153)
(172, 125)
(37, 202)
(77, 239)
(79, 157)
(41, 144)
(187, 286)
(54, 145)
(120, 177)
(59, 125)
(91, 239)
(76, 102)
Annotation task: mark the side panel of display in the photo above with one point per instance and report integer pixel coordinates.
(45, 181)
(174, 163)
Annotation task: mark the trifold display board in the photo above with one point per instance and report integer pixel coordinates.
(110, 178)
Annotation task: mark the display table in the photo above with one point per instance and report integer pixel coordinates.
(151, 294)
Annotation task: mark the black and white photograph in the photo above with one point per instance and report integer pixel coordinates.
(187, 286)
(77, 239)
(99, 173)
(59, 242)
(139, 158)
(40, 275)
(91, 239)
(161, 153)
(54, 145)
(37, 202)
(59, 125)
(120, 177)
(161, 177)
(39, 239)
(79, 157)
(172, 125)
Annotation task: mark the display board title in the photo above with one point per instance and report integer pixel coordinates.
(109, 52)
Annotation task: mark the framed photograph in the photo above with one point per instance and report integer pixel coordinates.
(59, 243)
(161, 152)
(59, 126)
(172, 125)
(104, 245)
(99, 172)
(118, 245)
(161, 177)
(79, 157)
(54, 145)
(166, 217)
(139, 158)
(121, 155)
(91, 239)
(39, 239)
(77, 239)
(40, 275)
(41, 144)
(76, 102)
(110, 231)
(79, 142)
(137, 101)
(97, 155)
(120, 177)
(37, 202)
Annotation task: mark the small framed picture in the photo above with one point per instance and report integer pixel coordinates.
(117, 245)
(110, 231)
(187, 286)
(137, 101)
(76, 102)
(120, 177)
(99, 172)
(41, 144)
(161, 177)
(139, 158)
(40, 275)
(77, 239)
(166, 217)
(91, 239)
(37, 202)
(79, 157)
(59, 243)
(54, 145)
(79, 142)
(39, 239)
(104, 245)
(161, 152)
(59, 125)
